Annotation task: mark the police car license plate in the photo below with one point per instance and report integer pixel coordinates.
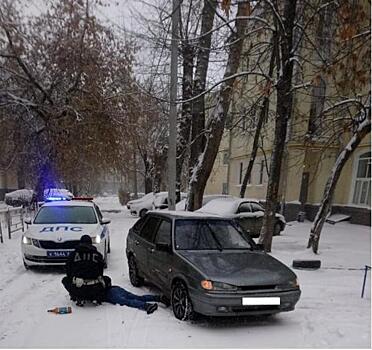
(261, 301)
(58, 254)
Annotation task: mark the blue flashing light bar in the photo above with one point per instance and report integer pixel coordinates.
(52, 199)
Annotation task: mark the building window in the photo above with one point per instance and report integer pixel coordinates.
(225, 158)
(240, 173)
(225, 188)
(262, 167)
(362, 182)
(316, 108)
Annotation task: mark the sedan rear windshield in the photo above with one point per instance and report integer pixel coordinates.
(208, 235)
(66, 215)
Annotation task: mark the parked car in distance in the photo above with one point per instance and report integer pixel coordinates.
(135, 206)
(161, 200)
(23, 197)
(206, 199)
(51, 194)
(248, 212)
(205, 265)
(57, 228)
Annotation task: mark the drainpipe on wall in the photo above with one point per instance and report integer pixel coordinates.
(229, 162)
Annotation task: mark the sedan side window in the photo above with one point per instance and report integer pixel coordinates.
(100, 216)
(139, 224)
(149, 229)
(245, 208)
(256, 207)
(164, 233)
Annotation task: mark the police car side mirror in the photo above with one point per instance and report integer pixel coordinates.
(27, 220)
(105, 221)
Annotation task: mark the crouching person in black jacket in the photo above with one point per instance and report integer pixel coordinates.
(84, 268)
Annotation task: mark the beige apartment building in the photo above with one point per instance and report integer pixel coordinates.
(313, 143)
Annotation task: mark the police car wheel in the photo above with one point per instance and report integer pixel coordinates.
(134, 277)
(27, 267)
(143, 213)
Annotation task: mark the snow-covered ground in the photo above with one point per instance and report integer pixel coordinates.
(330, 313)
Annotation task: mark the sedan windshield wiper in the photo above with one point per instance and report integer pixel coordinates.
(220, 248)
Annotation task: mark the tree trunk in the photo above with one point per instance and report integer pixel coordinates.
(283, 111)
(261, 119)
(326, 204)
(184, 123)
(201, 171)
(202, 62)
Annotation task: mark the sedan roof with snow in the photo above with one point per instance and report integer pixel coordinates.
(225, 206)
(184, 214)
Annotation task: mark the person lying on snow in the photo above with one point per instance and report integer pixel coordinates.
(118, 295)
(85, 281)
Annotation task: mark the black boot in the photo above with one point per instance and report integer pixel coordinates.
(150, 308)
(164, 300)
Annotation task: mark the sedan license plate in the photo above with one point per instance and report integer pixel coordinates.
(58, 254)
(261, 301)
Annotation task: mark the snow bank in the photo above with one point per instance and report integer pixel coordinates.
(330, 313)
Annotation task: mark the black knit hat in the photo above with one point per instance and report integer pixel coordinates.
(86, 239)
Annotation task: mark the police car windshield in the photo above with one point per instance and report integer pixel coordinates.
(66, 215)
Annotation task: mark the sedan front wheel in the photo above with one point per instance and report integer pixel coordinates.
(181, 302)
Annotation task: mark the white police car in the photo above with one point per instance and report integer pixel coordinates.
(56, 230)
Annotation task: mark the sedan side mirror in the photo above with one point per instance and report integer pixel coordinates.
(105, 221)
(163, 247)
(27, 220)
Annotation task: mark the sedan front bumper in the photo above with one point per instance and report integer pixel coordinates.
(228, 304)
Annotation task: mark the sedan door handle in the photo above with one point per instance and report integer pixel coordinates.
(151, 250)
(136, 242)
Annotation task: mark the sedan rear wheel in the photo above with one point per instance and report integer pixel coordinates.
(105, 258)
(181, 302)
(277, 229)
(134, 277)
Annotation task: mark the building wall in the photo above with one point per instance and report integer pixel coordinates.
(8, 182)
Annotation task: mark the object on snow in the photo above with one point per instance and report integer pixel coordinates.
(306, 264)
(61, 310)
(366, 269)
(335, 218)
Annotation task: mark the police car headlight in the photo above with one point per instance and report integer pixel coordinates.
(26, 240)
(96, 240)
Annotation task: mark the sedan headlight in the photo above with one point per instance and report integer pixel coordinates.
(218, 286)
(96, 240)
(26, 240)
(290, 284)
